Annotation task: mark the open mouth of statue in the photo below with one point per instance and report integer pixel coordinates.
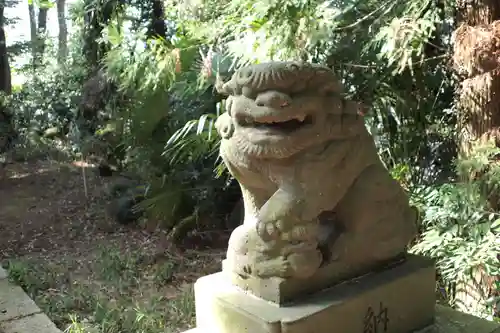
(285, 126)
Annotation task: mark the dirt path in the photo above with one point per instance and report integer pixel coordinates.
(60, 245)
(43, 208)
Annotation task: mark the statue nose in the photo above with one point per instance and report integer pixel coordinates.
(273, 99)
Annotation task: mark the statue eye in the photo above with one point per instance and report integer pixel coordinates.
(246, 73)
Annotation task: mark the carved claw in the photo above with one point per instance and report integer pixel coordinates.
(284, 267)
(244, 271)
(278, 267)
(247, 269)
(268, 231)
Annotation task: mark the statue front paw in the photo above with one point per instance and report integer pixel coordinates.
(284, 266)
(277, 267)
(268, 230)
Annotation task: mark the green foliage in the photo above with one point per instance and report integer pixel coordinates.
(390, 55)
(165, 86)
(31, 277)
(404, 39)
(123, 295)
(158, 116)
(279, 30)
(48, 99)
(460, 228)
(377, 49)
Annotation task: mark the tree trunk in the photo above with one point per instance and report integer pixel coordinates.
(479, 100)
(91, 33)
(97, 15)
(32, 16)
(62, 51)
(6, 128)
(41, 35)
(475, 58)
(157, 27)
(5, 79)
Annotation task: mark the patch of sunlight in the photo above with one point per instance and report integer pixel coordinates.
(40, 171)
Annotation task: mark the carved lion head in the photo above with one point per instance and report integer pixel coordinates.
(278, 109)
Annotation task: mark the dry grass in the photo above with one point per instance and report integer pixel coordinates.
(85, 271)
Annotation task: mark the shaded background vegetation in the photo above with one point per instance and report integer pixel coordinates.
(130, 88)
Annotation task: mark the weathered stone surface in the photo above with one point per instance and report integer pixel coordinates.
(447, 321)
(319, 204)
(38, 323)
(404, 295)
(14, 303)
(3, 273)
(282, 291)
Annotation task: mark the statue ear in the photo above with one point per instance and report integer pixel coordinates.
(224, 126)
(222, 87)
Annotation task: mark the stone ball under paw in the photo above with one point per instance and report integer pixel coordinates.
(305, 264)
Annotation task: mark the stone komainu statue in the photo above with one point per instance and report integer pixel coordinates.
(316, 195)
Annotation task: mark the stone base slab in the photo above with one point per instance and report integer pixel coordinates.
(447, 321)
(397, 300)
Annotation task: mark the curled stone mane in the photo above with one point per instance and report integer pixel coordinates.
(292, 77)
(224, 126)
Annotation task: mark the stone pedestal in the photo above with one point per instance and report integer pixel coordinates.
(447, 321)
(397, 300)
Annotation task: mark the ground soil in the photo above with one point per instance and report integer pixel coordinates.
(52, 212)
(46, 207)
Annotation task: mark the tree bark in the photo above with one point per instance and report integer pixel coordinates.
(477, 12)
(62, 51)
(479, 100)
(476, 45)
(6, 127)
(157, 27)
(5, 78)
(97, 15)
(41, 34)
(38, 29)
(32, 16)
